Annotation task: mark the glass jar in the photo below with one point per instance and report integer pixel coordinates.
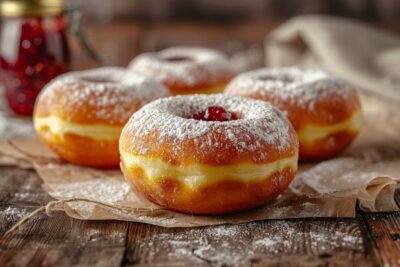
(33, 49)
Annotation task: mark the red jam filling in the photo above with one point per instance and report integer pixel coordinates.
(215, 113)
(31, 58)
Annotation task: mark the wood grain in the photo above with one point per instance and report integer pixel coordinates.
(318, 241)
(52, 241)
(61, 241)
(384, 236)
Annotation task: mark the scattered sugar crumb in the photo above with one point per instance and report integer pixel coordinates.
(14, 213)
(236, 244)
(105, 189)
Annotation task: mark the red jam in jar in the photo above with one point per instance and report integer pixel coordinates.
(33, 50)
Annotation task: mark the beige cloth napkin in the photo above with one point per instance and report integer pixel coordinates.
(364, 55)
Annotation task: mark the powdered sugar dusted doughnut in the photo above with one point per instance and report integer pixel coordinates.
(209, 154)
(186, 70)
(324, 109)
(80, 114)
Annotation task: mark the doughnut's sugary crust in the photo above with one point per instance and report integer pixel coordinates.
(309, 98)
(203, 70)
(101, 96)
(162, 129)
(306, 96)
(104, 97)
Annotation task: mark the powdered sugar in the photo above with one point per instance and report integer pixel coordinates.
(240, 244)
(106, 190)
(198, 65)
(112, 92)
(302, 87)
(14, 213)
(169, 120)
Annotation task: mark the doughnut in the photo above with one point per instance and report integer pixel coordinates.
(186, 70)
(324, 109)
(209, 154)
(80, 115)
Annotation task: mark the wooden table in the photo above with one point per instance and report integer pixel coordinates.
(367, 240)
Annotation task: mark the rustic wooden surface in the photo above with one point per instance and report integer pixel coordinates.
(367, 240)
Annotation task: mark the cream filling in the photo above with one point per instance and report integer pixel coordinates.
(58, 126)
(311, 132)
(216, 88)
(195, 175)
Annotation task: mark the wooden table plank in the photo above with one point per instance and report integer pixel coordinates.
(61, 241)
(312, 241)
(384, 229)
(53, 241)
(19, 180)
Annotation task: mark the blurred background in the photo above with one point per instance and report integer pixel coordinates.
(227, 10)
(120, 29)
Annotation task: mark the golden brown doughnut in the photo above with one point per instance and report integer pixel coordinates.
(186, 70)
(209, 154)
(325, 110)
(80, 115)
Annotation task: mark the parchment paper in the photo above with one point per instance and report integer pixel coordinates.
(368, 173)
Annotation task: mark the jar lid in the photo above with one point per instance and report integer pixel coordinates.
(24, 8)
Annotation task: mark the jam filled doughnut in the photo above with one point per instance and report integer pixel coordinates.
(325, 110)
(186, 70)
(209, 154)
(80, 115)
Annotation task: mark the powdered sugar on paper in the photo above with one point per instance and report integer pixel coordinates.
(105, 190)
